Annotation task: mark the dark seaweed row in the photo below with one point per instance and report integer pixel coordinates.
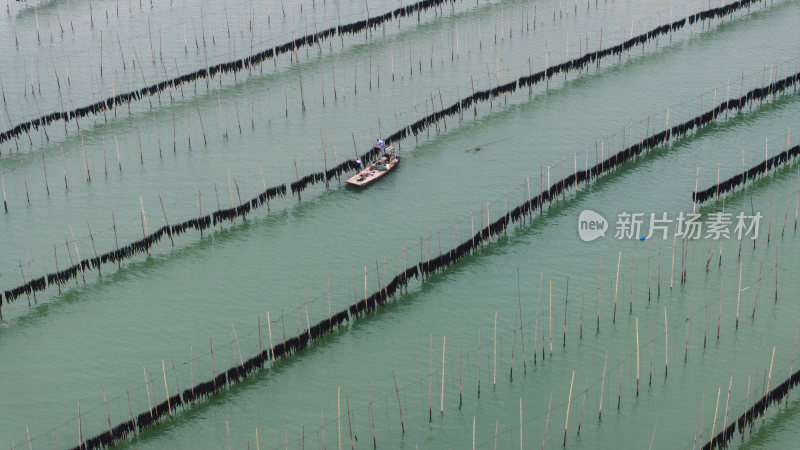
(229, 214)
(299, 185)
(749, 174)
(143, 245)
(749, 416)
(425, 268)
(211, 71)
(485, 95)
(241, 371)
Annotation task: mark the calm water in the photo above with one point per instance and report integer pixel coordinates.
(97, 336)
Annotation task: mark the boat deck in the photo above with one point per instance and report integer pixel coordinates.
(374, 171)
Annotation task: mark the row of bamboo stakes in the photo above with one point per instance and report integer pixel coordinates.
(314, 39)
(380, 296)
(763, 168)
(300, 184)
(559, 187)
(232, 66)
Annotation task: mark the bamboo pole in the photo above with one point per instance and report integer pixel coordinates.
(602, 387)
(547, 422)
(619, 394)
(714, 424)
(566, 300)
(166, 390)
(479, 362)
(399, 405)
(494, 371)
(459, 376)
(666, 343)
(349, 424)
(80, 428)
(599, 287)
(569, 403)
(637, 356)
(371, 416)
(616, 288)
(536, 321)
(3, 184)
(550, 317)
(441, 408)
(430, 381)
(147, 388)
(686, 349)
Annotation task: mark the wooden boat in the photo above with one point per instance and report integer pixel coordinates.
(379, 168)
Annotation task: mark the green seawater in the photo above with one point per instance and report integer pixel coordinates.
(110, 333)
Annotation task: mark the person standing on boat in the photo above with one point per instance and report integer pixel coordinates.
(359, 166)
(380, 144)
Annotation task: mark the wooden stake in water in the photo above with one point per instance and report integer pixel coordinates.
(80, 428)
(441, 407)
(479, 362)
(166, 390)
(666, 344)
(3, 184)
(494, 371)
(616, 288)
(714, 424)
(399, 405)
(776, 274)
(536, 322)
(739, 294)
(686, 349)
(637, 356)
(547, 422)
(569, 403)
(602, 387)
(672, 271)
(619, 395)
(566, 300)
(371, 416)
(513, 345)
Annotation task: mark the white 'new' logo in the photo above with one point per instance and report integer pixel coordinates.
(591, 225)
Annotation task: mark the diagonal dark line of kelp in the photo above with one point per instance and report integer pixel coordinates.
(200, 223)
(530, 80)
(749, 174)
(355, 27)
(226, 67)
(752, 413)
(380, 297)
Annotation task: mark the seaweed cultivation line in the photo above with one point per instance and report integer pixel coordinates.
(201, 223)
(547, 195)
(749, 174)
(312, 39)
(578, 63)
(481, 96)
(226, 67)
(240, 371)
(758, 409)
(381, 296)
